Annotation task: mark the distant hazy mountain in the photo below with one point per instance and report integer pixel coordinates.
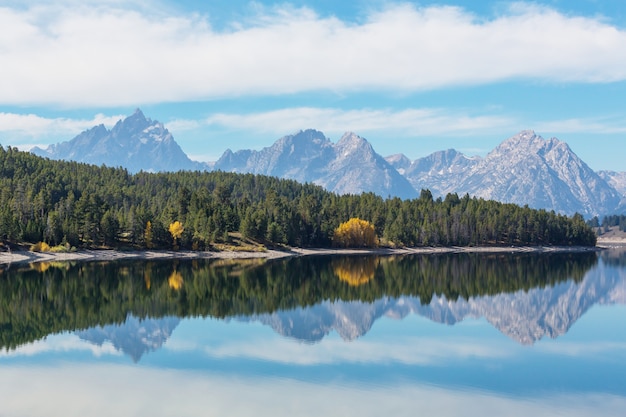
(525, 316)
(400, 162)
(617, 180)
(135, 143)
(351, 166)
(440, 172)
(524, 169)
(135, 336)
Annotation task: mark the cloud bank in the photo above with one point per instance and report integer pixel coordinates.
(110, 54)
(30, 129)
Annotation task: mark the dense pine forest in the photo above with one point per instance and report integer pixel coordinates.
(74, 204)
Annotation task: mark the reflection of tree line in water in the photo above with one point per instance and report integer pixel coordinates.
(59, 297)
(614, 257)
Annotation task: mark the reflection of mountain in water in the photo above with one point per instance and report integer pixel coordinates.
(135, 336)
(525, 316)
(524, 295)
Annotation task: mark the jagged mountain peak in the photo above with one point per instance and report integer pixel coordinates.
(135, 142)
(302, 142)
(351, 166)
(399, 161)
(526, 141)
(351, 139)
(542, 173)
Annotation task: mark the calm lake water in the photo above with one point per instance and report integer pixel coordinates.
(440, 335)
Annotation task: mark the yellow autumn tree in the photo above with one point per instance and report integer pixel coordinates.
(147, 235)
(355, 233)
(176, 230)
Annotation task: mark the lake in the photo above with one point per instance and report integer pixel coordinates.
(445, 335)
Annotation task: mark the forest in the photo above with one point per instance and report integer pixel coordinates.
(86, 206)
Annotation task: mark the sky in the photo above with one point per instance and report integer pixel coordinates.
(411, 77)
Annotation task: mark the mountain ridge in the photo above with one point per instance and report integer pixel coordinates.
(351, 166)
(524, 169)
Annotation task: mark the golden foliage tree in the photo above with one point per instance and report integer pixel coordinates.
(40, 247)
(355, 233)
(147, 235)
(176, 230)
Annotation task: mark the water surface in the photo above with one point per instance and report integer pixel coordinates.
(456, 334)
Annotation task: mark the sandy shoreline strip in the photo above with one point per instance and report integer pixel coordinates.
(113, 255)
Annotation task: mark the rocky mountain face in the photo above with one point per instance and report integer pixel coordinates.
(440, 172)
(135, 337)
(524, 169)
(135, 143)
(351, 166)
(524, 316)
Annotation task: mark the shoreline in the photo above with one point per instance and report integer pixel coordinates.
(25, 257)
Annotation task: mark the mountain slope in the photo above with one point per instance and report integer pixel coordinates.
(440, 172)
(351, 166)
(527, 169)
(135, 143)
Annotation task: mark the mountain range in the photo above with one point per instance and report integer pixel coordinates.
(525, 169)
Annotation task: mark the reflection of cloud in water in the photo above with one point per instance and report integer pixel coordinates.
(408, 350)
(106, 390)
(582, 349)
(61, 344)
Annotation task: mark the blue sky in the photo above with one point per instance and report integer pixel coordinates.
(412, 77)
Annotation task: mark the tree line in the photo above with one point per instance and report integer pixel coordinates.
(618, 220)
(80, 205)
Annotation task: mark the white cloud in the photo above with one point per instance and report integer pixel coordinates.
(62, 343)
(105, 54)
(584, 125)
(19, 128)
(408, 122)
